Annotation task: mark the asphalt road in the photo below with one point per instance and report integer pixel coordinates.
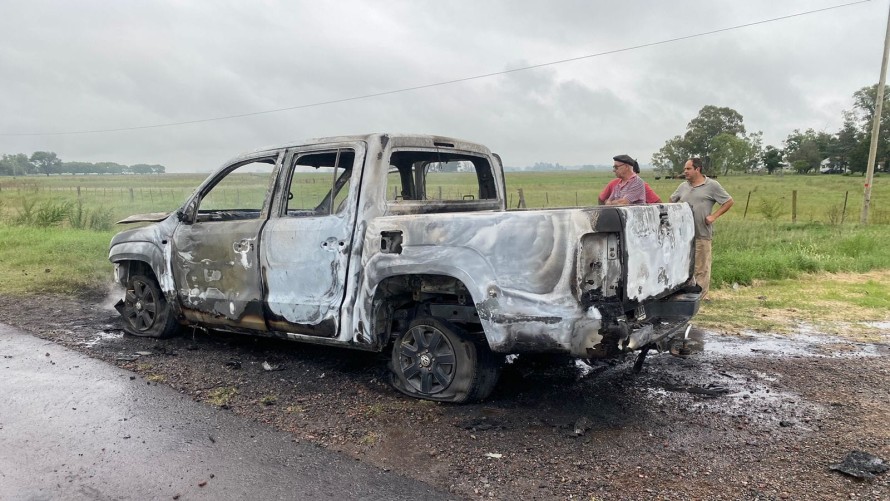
(72, 427)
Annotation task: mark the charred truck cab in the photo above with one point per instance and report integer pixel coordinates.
(404, 243)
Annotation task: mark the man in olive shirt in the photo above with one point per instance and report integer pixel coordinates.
(701, 193)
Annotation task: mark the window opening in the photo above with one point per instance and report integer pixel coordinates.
(239, 194)
(440, 176)
(319, 183)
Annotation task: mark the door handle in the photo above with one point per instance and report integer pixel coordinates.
(243, 245)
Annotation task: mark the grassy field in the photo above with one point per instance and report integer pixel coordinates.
(54, 232)
(820, 198)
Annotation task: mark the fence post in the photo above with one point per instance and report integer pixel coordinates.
(844, 212)
(546, 199)
(131, 194)
(78, 192)
(794, 206)
(521, 204)
(576, 199)
(440, 193)
(746, 206)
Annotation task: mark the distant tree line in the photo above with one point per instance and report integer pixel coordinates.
(718, 135)
(47, 162)
(549, 167)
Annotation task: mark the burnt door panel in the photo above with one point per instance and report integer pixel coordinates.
(306, 249)
(215, 252)
(215, 267)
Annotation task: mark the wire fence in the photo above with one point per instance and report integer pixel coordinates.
(794, 206)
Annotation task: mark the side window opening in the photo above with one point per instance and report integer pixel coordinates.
(319, 183)
(240, 194)
(440, 176)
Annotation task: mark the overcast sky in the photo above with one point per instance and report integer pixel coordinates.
(74, 66)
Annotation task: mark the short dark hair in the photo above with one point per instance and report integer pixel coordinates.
(696, 163)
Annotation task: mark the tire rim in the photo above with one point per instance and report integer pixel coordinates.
(427, 359)
(142, 306)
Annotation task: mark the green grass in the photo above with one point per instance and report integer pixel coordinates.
(748, 250)
(820, 198)
(853, 305)
(64, 261)
(871, 294)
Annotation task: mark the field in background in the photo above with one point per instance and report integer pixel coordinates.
(820, 198)
(64, 222)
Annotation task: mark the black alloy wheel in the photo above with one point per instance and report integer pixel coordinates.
(146, 311)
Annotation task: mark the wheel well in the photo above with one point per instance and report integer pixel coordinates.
(127, 269)
(400, 299)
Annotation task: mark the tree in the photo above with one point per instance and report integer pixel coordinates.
(865, 102)
(795, 139)
(771, 158)
(111, 168)
(806, 150)
(147, 169)
(806, 157)
(159, 169)
(15, 165)
(754, 152)
(671, 157)
(858, 156)
(710, 123)
(864, 105)
(848, 139)
(730, 153)
(46, 162)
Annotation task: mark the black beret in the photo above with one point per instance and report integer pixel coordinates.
(626, 159)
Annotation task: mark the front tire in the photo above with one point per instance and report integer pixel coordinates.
(146, 311)
(436, 360)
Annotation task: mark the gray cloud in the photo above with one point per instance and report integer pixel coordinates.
(75, 66)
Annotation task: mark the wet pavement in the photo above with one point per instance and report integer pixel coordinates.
(72, 427)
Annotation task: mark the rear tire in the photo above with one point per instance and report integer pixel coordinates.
(436, 360)
(146, 311)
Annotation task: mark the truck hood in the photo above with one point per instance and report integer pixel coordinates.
(151, 217)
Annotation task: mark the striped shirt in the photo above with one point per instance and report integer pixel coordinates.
(633, 190)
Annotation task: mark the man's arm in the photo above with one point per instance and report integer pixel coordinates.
(722, 210)
(651, 196)
(675, 196)
(607, 191)
(632, 193)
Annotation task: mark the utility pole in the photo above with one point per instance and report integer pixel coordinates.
(875, 129)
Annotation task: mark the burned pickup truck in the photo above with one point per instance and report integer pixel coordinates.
(404, 243)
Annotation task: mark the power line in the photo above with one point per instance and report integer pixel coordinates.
(438, 84)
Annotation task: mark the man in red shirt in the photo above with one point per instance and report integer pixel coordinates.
(650, 196)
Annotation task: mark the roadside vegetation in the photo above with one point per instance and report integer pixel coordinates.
(54, 235)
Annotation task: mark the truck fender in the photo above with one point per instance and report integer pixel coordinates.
(144, 252)
(462, 264)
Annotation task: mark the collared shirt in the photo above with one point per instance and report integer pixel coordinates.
(702, 199)
(651, 196)
(633, 190)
